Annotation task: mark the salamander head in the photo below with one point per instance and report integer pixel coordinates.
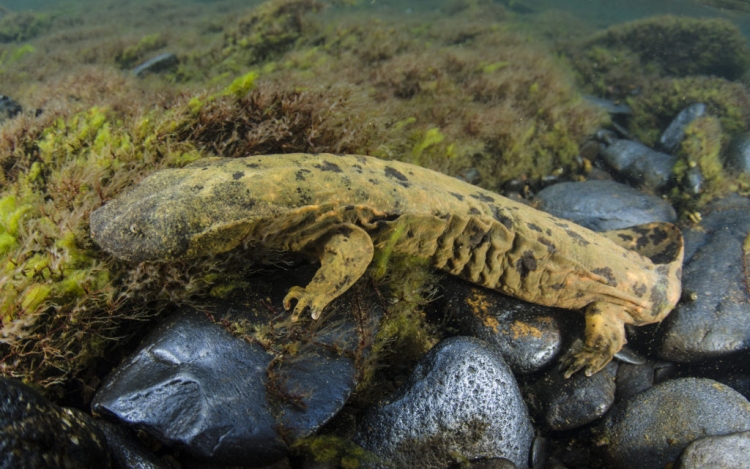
(177, 214)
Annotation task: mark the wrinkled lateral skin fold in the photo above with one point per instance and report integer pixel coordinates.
(339, 209)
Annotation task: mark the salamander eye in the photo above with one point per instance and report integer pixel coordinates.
(135, 230)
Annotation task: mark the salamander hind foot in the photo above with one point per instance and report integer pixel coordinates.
(605, 336)
(581, 357)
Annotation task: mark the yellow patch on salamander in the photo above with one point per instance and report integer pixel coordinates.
(340, 209)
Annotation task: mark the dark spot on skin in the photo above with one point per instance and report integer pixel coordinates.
(304, 197)
(442, 216)
(678, 272)
(662, 270)
(658, 235)
(562, 225)
(668, 254)
(640, 289)
(197, 188)
(253, 165)
(607, 273)
(549, 232)
(474, 211)
(410, 234)
(551, 248)
(300, 175)
(393, 173)
(580, 294)
(482, 197)
(534, 227)
(374, 182)
(502, 218)
(526, 264)
(328, 166)
(362, 159)
(625, 237)
(642, 242)
(345, 230)
(357, 168)
(237, 175)
(458, 196)
(556, 286)
(363, 195)
(204, 168)
(577, 238)
(658, 299)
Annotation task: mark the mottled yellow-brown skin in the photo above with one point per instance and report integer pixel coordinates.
(340, 208)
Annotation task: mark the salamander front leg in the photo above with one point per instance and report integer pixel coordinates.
(605, 336)
(344, 254)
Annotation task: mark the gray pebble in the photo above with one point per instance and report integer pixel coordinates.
(693, 182)
(652, 428)
(604, 205)
(674, 134)
(633, 379)
(461, 401)
(565, 404)
(717, 322)
(639, 164)
(737, 157)
(161, 63)
(610, 106)
(717, 452)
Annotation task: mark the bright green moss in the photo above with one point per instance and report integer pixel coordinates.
(34, 296)
(7, 242)
(430, 138)
(240, 86)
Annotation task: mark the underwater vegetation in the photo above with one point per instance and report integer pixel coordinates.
(472, 92)
(659, 66)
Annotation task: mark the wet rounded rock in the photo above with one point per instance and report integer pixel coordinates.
(717, 452)
(529, 336)
(178, 386)
(737, 157)
(640, 164)
(37, 434)
(604, 205)
(461, 401)
(635, 378)
(652, 428)
(675, 132)
(565, 404)
(194, 385)
(717, 321)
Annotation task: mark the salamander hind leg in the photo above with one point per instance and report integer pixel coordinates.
(604, 336)
(344, 252)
